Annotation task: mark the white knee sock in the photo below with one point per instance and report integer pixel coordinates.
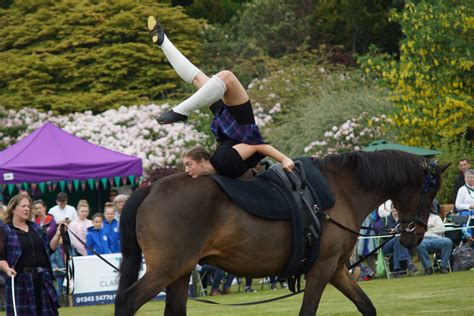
(209, 93)
(183, 67)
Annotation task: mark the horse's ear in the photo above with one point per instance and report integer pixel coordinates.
(442, 168)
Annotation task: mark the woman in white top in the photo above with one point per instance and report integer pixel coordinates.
(79, 227)
(465, 196)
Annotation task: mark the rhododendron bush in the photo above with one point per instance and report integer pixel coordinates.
(130, 130)
(354, 134)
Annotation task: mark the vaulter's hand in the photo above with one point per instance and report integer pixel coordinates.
(288, 164)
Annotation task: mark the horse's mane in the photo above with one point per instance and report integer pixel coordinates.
(386, 169)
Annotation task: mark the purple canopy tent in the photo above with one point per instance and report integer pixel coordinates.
(51, 154)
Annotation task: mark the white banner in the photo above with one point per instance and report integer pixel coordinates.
(95, 282)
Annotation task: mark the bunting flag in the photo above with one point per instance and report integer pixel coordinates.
(91, 184)
(69, 185)
(62, 185)
(117, 181)
(18, 186)
(76, 184)
(111, 182)
(34, 186)
(83, 185)
(104, 182)
(97, 184)
(10, 189)
(124, 180)
(26, 186)
(42, 187)
(50, 186)
(132, 180)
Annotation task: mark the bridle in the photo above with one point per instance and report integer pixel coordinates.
(429, 183)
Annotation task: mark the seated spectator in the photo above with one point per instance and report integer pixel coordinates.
(111, 227)
(248, 285)
(79, 227)
(459, 181)
(274, 280)
(385, 209)
(434, 242)
(62, 212)
(393, 247)
(96, 237)
(465, 196)
(119, 202)
(45, 221)
(217, 276)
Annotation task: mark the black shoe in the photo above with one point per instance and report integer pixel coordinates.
(171, 117)
(444, 270)
(429, 271)
(156, 31)
(412, 268)
(248, 289)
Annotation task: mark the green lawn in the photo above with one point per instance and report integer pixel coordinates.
(449, 294)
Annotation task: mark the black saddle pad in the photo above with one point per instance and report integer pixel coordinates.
(266, 195)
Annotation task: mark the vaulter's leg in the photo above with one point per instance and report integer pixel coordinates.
(222, 85)
(343, 281)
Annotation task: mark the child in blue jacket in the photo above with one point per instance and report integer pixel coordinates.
(96, 238)
(111, 227)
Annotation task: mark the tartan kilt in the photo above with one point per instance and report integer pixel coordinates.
(25, 295)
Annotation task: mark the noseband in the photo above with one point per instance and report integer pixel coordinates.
(429, 168)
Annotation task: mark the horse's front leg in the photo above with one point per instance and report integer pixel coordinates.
(317, 279)
(343, 281)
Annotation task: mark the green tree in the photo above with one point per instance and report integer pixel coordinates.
(214, 11)
(356, 24)
(432, 82)
(73, 55)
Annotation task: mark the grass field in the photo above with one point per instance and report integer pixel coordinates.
(449, 294)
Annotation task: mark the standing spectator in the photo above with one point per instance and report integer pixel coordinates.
(459, 181)
(45, 221)
(62, 212)
(111, 227)
(96, 237)
(59, 270)
(112, 195)
(34, 288)
(366, 245)
(119, 202)
(3, 208)
(435, 242)
(79, 227)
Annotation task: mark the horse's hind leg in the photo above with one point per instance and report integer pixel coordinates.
(177, 296)
(140, 292)
(343, 281)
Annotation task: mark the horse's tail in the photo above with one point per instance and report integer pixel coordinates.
(131, 252)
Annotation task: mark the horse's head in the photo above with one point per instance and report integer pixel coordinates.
(414, 203)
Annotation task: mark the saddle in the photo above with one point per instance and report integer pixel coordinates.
(277, 195)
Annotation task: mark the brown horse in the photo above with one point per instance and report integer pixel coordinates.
(179, 221)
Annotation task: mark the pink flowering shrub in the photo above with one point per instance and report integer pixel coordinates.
(353, 134)
(130, 130)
